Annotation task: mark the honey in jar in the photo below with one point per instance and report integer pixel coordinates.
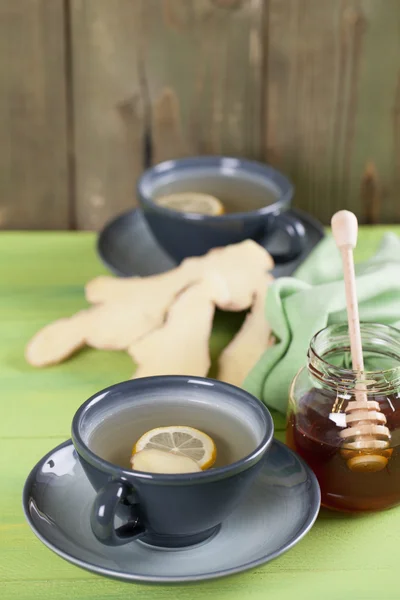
(357, 464)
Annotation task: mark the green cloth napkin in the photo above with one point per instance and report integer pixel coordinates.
(297, 307)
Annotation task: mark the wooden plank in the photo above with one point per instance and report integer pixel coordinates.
(33, 132)
(333, 104)
(159, 79)
(108, 107)
(203, 64)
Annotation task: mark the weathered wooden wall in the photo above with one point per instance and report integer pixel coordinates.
(34, 182)
(93, 91)
(159, 79)
(333, 103)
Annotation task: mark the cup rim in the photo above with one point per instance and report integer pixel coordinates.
(258, 169)
(184, 478)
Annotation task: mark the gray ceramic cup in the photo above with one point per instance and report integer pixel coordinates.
(256, 197)
(168, 510)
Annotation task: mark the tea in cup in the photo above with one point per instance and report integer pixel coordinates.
(168, 510)
(251, 203)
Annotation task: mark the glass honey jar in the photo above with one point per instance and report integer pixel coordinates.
(346, 424)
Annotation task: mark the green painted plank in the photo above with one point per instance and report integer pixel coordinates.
(299, 585)
(337, 546)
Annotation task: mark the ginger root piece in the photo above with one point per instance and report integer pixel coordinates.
(106, 288)
(241, 265)
(105, 327)
(253, 338)
(180, 346)
(110, 289)
(110, 326)
(159, 461)
(115, 326)
(56, 341)
(126, 310)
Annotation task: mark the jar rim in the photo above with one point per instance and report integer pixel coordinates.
(343, 378)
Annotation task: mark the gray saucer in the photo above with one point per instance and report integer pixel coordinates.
(127, 246)
(279, 510)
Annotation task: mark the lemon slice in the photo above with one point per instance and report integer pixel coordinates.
(180, 440)
(192, 202)
(158, 461)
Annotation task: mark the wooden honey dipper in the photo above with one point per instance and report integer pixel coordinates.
(366, 437)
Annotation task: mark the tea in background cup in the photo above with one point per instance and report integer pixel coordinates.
(254, 198)
(168, 510)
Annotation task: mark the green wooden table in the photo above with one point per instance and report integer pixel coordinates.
(41, 278)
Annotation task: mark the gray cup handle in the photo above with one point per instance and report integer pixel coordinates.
(103, 514)
(294, 229)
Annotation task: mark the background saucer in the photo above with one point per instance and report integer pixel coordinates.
(127, 247)
(279, 509)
